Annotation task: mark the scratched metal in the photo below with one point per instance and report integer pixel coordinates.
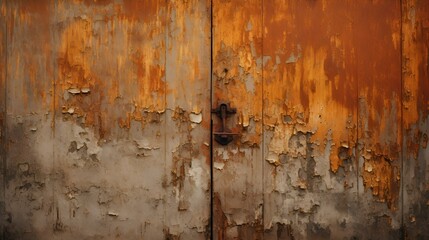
(415, 60)
(107, 103)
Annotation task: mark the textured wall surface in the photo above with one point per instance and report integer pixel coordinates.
(105, 123)
(106, 106)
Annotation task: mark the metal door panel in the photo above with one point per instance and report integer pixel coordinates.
(105, 117)
(415, 97)
(188, 120)
(92, 99)
(379, 110)
(28, 160)
(310, 113)
(237, 79)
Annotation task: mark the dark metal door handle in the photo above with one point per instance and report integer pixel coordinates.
(223, 135)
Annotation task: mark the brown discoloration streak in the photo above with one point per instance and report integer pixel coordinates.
(30, 62)
(415, 97)
(237, 79)
(220, 220)
(383, 179)
(3, 152)
(236, 52)
(415, 61)
(76, 77)
(379, 76)
(135, 74)
(309, 73)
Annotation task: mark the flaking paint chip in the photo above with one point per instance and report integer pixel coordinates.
(113, 214)
(196, 118)
(85, 90)
(368, 168)
(218, 165)
(74, 90)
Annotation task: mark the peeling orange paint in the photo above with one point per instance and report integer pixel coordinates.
(139, 70)
(306, 77)
(383, 179)
(380, 100)
(237, 79)
(320, 111)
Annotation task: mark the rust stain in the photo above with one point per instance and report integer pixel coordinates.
(415, 97)
(221, 221)
(379, 73)
(95, 2)
(309, 80)
(30, 61)
(316, 78)
(137, 81)
(237, 71)
(383, 178)
(415, 61)
(147, 12)
(76, 76)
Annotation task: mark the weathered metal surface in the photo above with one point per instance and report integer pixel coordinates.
(332, 129)
(310, 117)
(379, 124)
(187, 208)
(103, 137)
(415, 97)
(105, 119)
(29, 187)
(110, 101)
(237, 79)
(3, 60)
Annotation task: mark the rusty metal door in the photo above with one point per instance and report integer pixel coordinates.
(331, 100)
(107, 130)
(105, 119)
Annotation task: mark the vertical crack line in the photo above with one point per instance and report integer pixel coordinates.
(211, 121)
(3, 150)
(357, 145)
(262, 119)
(167, 15)
(54, 104)
(402, 119)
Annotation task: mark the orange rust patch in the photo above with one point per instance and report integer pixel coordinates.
(76, 80)
(135, 77)
(236, 70)
(383, 179)
(309, 74)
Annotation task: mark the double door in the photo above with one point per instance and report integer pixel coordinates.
(220, 119)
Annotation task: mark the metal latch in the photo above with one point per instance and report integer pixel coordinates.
(223, 135)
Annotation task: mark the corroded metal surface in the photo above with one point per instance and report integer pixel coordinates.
(106, 104)
(105, 119)
(3, 60)
(415, 60)
(310, 117)
(237, 79)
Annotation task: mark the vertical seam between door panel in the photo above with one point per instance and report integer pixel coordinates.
(262, 120)
(402, 123)
(4, 128)
(167, 12)
(357, 147)
(211, 121)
